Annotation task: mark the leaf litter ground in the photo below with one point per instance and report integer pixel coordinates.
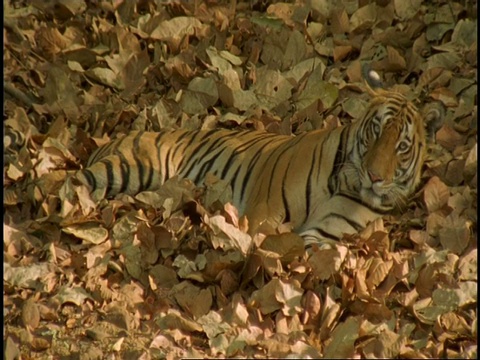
(172, 273)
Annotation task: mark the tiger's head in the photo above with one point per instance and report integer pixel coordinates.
(390, 149)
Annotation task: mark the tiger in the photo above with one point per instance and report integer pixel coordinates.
(324, 183)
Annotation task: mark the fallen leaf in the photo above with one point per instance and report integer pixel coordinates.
(325, 263)
(30, 314)
(74, 295)
(455, 234)
(197, 302)
(89, 232)
(435, 194)
(407, 9)
(343, 339)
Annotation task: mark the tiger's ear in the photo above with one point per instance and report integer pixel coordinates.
(434, 117)
(373, 82)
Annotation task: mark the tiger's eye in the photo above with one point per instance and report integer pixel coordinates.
(403, 146)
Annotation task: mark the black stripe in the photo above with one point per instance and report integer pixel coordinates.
(339, 159)
(242, 148)
(325, 234)
(184, 135)
(208, 133)
(205, 168)
(201, 143)
(149, 168)
(101, 152)
(228, 163)
(249, 171)
(166, 175)
(178, 148)
(272, 174)
(158, 139)
(232, 183)
(200, 156)
(110, 177)
(368, 206)
(350, 222)
(92, 181)
(141, 166)
(284, 196)
(124, 167)
(308, 188)
(125, 173)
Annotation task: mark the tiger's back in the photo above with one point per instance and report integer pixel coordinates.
(250, 161)
(145, 160)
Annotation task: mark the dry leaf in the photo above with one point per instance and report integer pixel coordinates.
(435, 194)
(455, 234)
(343, 339)
(30, 314)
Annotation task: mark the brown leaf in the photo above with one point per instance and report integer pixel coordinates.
(51, 40)
(339, 21)
(11, 350)
(192, 299)
(106, 77)
(453, 324)
(40, 344)
(311, 307)
(363, 18)
(467, 266)
(378, 271)
(325, 263)
(470, 169)
(265, 298)
(174, 30)
(341, 52)
(386, 345)
(89, 232)
(407, 9)
(75, 295)
(419, 237)
(446, 96)
(435, 194)
(228, 281)
(282, 11)
(32, 276)
(455, 234)
(343, 339)
(30, 314)
(163, 276)
(287, 246)
(395, 61)
(202, 93)
(229, 237)
(430, 78)
(175, 320)
(290, 294)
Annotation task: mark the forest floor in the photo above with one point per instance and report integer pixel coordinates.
(139, 277)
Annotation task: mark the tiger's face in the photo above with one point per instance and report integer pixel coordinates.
(390, 153)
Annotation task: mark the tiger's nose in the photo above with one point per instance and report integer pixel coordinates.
(374, 177)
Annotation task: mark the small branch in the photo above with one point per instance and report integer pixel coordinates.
(18, 94)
